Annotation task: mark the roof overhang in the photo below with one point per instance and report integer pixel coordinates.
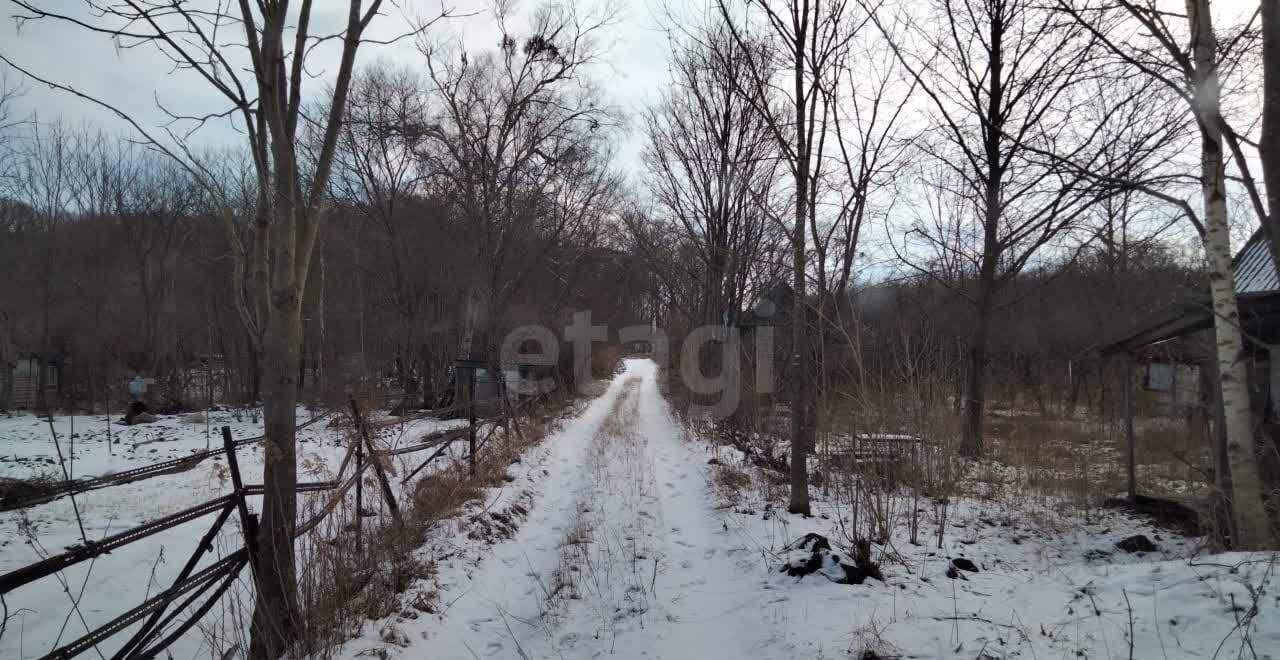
(1259, 313)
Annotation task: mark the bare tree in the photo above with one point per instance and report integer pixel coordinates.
(711, 162)
(874, 138)
(1269, 141)
(1002, 78)
(811, 39)
(10, 92)
(154, 208)
(379, 175)
(45, 175)
(516, 135)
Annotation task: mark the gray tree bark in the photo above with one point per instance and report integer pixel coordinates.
(802, 431)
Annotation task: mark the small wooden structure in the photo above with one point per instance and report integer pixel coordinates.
(1176, 336)
(873, 448)
(479, 381)
(26, 375)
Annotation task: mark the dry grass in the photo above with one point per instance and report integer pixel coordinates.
(15, 491)
(345, 581)
(1083, 461)
(728, 483)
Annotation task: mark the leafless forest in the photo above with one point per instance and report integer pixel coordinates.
(1006, 227)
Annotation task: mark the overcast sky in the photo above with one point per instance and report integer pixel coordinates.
(133, 80)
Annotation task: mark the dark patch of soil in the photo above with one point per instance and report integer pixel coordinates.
(1137, 543)
(1166, 513)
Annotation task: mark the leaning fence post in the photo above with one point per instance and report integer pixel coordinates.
(387, 495)
(248, 521)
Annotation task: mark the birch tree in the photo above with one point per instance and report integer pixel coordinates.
(1182, 53)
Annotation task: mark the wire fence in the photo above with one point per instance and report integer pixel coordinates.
(201, 589)
(64, 488)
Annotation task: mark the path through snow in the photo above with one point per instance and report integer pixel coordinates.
(621, 553)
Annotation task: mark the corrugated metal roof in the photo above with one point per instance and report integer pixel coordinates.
(1255, 272)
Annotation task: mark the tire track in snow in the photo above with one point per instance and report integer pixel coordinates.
(709, 583)
(622, 553)
(661, 576)
(497, 609)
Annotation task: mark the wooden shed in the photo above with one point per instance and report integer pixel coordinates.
(1182, 335)
(23, 377)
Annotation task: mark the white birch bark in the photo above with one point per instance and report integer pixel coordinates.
(1252, 524)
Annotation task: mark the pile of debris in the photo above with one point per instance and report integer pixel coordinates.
(138, 414)
(812, 553)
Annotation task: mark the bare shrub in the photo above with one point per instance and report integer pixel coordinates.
(374, 570)
(728, 483)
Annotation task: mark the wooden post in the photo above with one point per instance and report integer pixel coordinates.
(111, 440)
(1128, 427)
(471, 418)
(509, 409)
(359, 493)
(248, 521)
(377, 464)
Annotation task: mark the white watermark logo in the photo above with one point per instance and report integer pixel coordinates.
(730, 348)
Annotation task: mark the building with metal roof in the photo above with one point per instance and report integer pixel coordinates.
(1255, 271)
(1182, 335)
(1257, 294)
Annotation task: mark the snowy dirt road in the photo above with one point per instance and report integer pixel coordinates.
(622, 552)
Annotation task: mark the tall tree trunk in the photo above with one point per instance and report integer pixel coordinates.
(276, 610)
(992, 209)
(976, 362)
(975, 388)
(802, 401)
(1252, 524)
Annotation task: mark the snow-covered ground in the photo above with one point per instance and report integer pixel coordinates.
(625, 553)
(626, 547)
(58, 609)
